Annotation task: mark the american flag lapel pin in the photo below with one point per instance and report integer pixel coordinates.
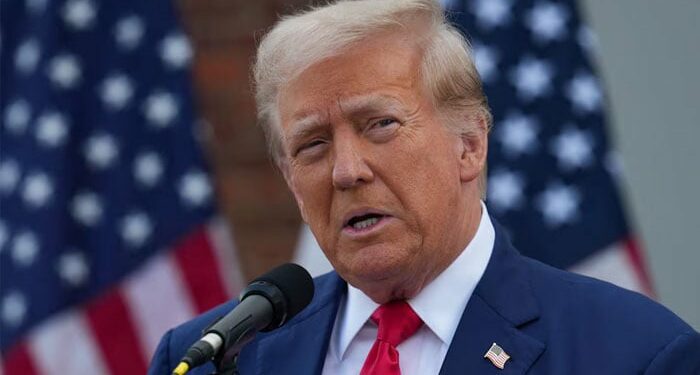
(497, 356)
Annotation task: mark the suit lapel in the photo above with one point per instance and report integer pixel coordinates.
(502, 303)
(480, 327)
(300, 347)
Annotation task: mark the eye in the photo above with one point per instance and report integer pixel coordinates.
(385, 122)
(383, 129)
(310, 146)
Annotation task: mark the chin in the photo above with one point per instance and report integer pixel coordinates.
(386, 291)
(384, 271)
(384, 281)
(377, 263)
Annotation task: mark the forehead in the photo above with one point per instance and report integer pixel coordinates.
(379, 71)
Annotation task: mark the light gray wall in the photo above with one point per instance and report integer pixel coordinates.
(650, 62)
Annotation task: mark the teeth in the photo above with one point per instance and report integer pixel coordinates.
(365, 223)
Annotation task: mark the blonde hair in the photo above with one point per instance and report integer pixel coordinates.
(298, 41)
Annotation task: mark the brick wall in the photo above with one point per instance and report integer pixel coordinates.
(252, 194)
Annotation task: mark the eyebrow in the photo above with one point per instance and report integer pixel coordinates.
(369, 104)
(305, 126)
(310, 122)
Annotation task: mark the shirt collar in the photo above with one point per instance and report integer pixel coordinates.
(440, 304)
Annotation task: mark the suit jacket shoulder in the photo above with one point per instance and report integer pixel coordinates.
(582, 325)
(628, 329)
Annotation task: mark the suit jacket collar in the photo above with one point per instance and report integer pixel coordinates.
(501, 305)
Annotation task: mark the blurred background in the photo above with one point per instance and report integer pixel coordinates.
(648, 57)
(135, 189)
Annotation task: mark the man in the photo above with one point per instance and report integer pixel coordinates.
(375, 115)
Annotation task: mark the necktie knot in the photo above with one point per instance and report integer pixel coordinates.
(396, 322)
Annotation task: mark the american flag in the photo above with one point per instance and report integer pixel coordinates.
(553, 174)
(107, 228)
(497, 356)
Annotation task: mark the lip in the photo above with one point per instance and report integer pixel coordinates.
(357, 234)
(361, 212)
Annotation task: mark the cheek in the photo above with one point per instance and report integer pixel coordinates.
(314, 191)
(425, 178)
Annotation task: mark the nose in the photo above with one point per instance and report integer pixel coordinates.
(349, 168)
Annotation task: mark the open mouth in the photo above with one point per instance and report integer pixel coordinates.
(364, 222)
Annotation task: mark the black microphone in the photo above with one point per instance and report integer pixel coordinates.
(266, 303)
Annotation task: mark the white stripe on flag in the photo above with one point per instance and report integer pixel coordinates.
(64, 345)
(612, 264)
(309, 255)
(226, 254)
(158, 300)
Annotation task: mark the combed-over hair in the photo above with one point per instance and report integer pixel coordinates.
(298, 41)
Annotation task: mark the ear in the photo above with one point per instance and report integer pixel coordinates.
(284, 167)
(473, 151)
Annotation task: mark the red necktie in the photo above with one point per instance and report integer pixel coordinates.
(396, 322)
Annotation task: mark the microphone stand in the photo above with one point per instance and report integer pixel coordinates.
(226, 361)
(226, 367)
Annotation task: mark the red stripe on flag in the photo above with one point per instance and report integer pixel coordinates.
(18, 361)
(638, 262)
(197, 261)
(113, 328)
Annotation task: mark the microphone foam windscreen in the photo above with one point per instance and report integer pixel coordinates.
(295, 283)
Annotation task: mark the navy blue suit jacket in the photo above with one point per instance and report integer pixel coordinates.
(549, 322)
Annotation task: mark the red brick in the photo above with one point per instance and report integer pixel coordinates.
(252, 195)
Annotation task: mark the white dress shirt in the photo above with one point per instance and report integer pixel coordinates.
(440, 305)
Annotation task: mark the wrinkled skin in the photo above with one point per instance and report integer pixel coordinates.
(361, 134)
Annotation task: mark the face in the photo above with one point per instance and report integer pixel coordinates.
(386, 189)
